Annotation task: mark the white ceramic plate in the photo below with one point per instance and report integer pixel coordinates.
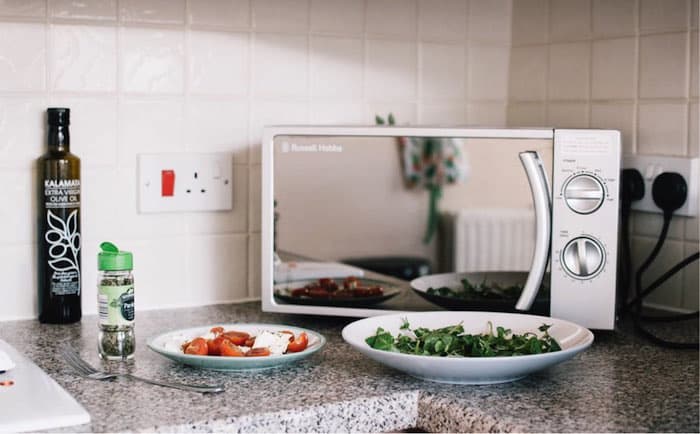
(469, 370)
(168, 345)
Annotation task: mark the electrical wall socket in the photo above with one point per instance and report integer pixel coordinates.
(651, 166)
(185, 182)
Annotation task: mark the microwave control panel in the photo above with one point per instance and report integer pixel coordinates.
(584, 226)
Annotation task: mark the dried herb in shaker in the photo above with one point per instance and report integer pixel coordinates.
(115, 303)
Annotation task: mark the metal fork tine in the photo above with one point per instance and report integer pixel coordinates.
(73, 361)
(88, 368)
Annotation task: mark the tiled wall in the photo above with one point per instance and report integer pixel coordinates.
(624, 64)
(170, 76)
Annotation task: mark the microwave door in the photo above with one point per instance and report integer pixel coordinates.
(539, 186)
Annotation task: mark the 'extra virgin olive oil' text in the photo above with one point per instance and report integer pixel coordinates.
(59, 225)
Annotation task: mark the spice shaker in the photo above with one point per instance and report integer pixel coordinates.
(115, 303)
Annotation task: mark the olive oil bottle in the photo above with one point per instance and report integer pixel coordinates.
(59, 225)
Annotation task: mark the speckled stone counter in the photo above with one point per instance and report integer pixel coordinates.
(620, 384)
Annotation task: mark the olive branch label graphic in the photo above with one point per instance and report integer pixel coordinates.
(64, 242)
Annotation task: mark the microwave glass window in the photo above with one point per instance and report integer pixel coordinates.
(358, 217)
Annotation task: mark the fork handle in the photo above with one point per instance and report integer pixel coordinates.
(192, 388)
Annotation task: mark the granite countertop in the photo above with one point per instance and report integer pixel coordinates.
(620, 384)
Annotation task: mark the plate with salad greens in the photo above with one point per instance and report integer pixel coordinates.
(488, 291)
(467, 347)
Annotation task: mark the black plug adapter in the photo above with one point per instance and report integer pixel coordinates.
(632, 185)
(669, 191)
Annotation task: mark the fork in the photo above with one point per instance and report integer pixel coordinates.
(85, 370)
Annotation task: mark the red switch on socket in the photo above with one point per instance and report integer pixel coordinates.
(167, 182)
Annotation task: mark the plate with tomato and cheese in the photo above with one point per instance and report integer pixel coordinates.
(238, 347)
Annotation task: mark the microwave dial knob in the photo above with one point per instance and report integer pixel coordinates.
(583, 257)
(584, 194)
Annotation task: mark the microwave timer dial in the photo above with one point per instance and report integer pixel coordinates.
(584, 193)
(583, 257)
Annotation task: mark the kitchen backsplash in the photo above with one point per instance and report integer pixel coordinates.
(169, 75)
(630, 65)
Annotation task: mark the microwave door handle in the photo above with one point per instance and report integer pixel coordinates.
(539, 185)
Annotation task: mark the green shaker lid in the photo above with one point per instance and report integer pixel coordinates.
(111, 259)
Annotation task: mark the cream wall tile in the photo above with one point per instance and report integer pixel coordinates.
(391, 67)
(83, 58)
(16, 260)
(230, 14)
(254, 267)
(337, 112)
(526, 114)
(650, 224)
(443, 113)
(490, 21)
(691, 287)
(23, 66)
(442, 71)
(136, 226)
(93, 128)
(670, 293)
(616, 116)
(614, 17)
(567, 115)
(528, 73)
(217, 126)
(280, 65)
(336, 67)
(442, 20)
(218, 63)
(487, 114)
(273, 113)
(22, 122)
(664, 15)
(530, 23)
(338, 17)
(23, 8)
(404, 112)
(694, 64)
(488, 72)
(255, 200)
(20, 188)
(149, 126)
(160, 264)
(662, 66)
(569, 20)
(396, 18)
(662, 129)
(224, 222)
(101, 10)
(152, 11)
(217, 268)
(569, 71)
(614, 64)
(152, 60)
(281, 15)
(99, 217)
(693, 136)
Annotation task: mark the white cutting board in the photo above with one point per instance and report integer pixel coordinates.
(35, 401)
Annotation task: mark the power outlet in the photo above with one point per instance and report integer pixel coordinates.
(651, 166)
(185, 182)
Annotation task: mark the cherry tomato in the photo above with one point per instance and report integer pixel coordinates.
(249, 342)
(299, 343)
(258, 352)
(215, 345)
(217, 330)
(198, 347)
(229, 349)
(237, 338)
(300, 292)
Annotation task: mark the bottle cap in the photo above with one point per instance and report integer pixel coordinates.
(58, 116)
(112, 259)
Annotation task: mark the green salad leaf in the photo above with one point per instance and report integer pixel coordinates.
(452, 341)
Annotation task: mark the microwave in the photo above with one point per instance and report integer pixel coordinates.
(367, 220)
